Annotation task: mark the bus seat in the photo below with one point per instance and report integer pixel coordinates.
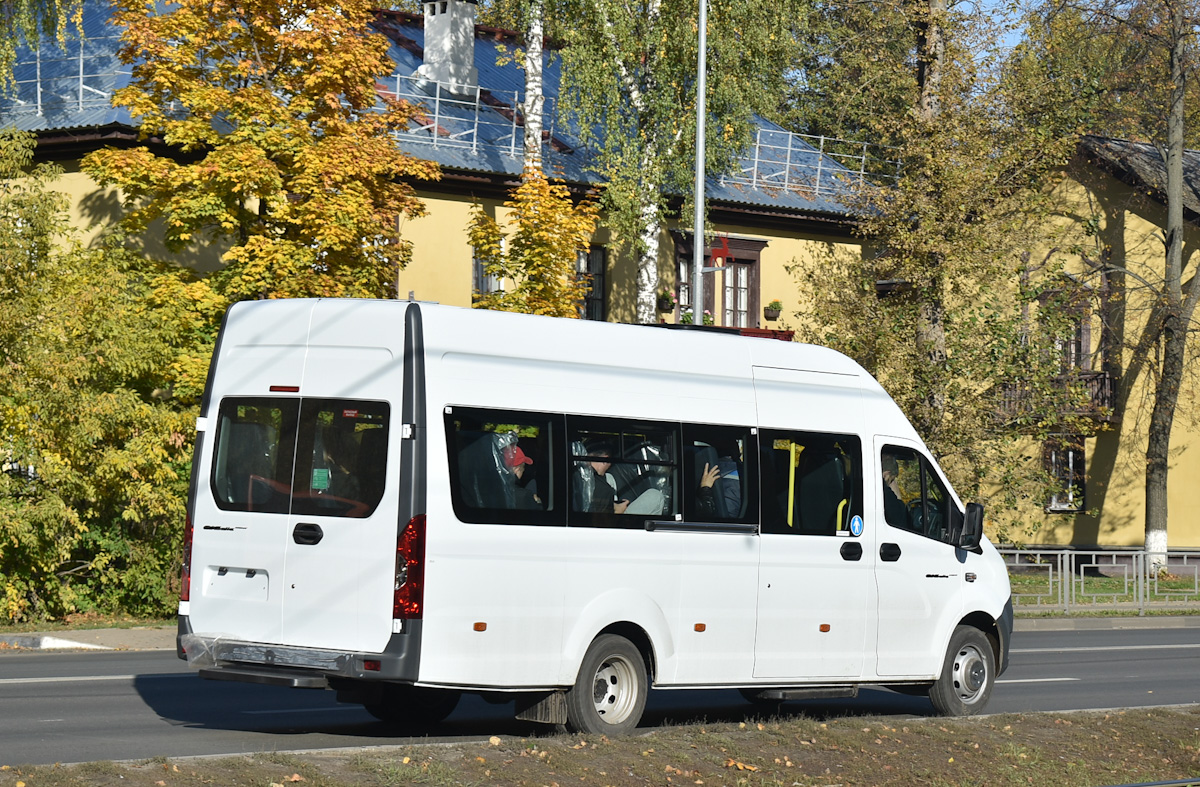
(820, 490)
(250, 455)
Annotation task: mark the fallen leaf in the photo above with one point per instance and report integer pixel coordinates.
(494, 740)
(295, 777)
(741, 766)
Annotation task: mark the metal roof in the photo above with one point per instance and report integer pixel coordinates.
(1141, 165)
(69, 87)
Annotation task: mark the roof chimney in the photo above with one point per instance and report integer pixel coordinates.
(450, 44)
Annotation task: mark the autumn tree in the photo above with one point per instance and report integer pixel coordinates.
(629, 82)
(548, 231)
(1145, 68)
(102, 361)
(279, 143)
(945, 306)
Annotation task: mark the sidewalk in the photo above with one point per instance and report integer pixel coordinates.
(163, 638)
(141, 638)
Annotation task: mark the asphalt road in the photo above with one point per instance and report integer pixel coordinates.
(74, 707)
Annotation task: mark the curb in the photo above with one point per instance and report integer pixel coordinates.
(1107, 624)
(35, 642)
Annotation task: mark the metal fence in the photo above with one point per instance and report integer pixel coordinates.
(1056, 579)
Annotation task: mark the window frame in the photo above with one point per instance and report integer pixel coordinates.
(767, 439)
(1071, 475)
(621, 426)
(549, 469)
(299, 440)
(952, 516)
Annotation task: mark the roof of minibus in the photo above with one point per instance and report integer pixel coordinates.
(629, 346)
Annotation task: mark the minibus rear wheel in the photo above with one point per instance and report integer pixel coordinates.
(968, 674)
(610, 693)
(400, 704)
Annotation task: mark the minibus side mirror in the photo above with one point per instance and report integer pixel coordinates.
(972, 531)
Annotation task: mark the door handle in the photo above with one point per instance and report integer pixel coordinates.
(851, 550)
(889, 553)
(307, 534)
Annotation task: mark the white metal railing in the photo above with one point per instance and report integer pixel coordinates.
(60, 78)
(813, 164)
(1058, 579)
(57, 79)
(464, 117)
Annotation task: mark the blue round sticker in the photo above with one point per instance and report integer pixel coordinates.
(856, 526)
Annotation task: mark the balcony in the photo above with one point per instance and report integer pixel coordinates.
(1076, 394)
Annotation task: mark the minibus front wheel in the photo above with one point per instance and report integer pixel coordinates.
(968, 674)
(610, 693)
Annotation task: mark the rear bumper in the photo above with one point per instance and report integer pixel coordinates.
(222, 658)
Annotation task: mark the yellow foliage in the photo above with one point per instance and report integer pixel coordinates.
(547, 232)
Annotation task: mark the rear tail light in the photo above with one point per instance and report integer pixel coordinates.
(185, 588)
(410, 570)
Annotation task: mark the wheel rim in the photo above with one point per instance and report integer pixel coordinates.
(615, 689)
(970, 674)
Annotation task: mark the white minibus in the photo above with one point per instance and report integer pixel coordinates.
(404, 502)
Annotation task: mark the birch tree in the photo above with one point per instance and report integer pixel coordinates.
(629, 81)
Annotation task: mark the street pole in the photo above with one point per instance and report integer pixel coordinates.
(698, 216)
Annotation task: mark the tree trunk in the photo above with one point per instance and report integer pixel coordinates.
(931, 48)
(532, 109)
(931, 332)
(647, 270)
(1172, 328)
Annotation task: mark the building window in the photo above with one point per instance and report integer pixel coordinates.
(592, 265)
(482, 283)
(1064, 460)
(738, 279)
(738, 295)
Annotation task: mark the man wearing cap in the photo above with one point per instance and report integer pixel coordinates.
(524, 493)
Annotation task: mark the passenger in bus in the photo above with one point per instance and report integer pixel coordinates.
(604, 494)
(706, 496)
(524, 489)
(894, 510)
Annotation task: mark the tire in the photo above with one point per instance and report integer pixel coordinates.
(968, 674)
(401, 704)
(610, 693)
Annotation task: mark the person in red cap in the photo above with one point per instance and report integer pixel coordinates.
(516, 460)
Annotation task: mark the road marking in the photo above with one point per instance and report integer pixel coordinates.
(1108, 649)
(1038, 680)
(79, 679)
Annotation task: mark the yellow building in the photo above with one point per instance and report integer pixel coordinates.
(1109, 230)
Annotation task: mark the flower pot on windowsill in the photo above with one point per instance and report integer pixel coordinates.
(665, 305)
(770, 314)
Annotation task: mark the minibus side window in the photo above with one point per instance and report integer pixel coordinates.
(811, 482)
(720, 478)
(503, 466)
(341, 460)
(622, 472)
(252, 465)
(914, 498)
